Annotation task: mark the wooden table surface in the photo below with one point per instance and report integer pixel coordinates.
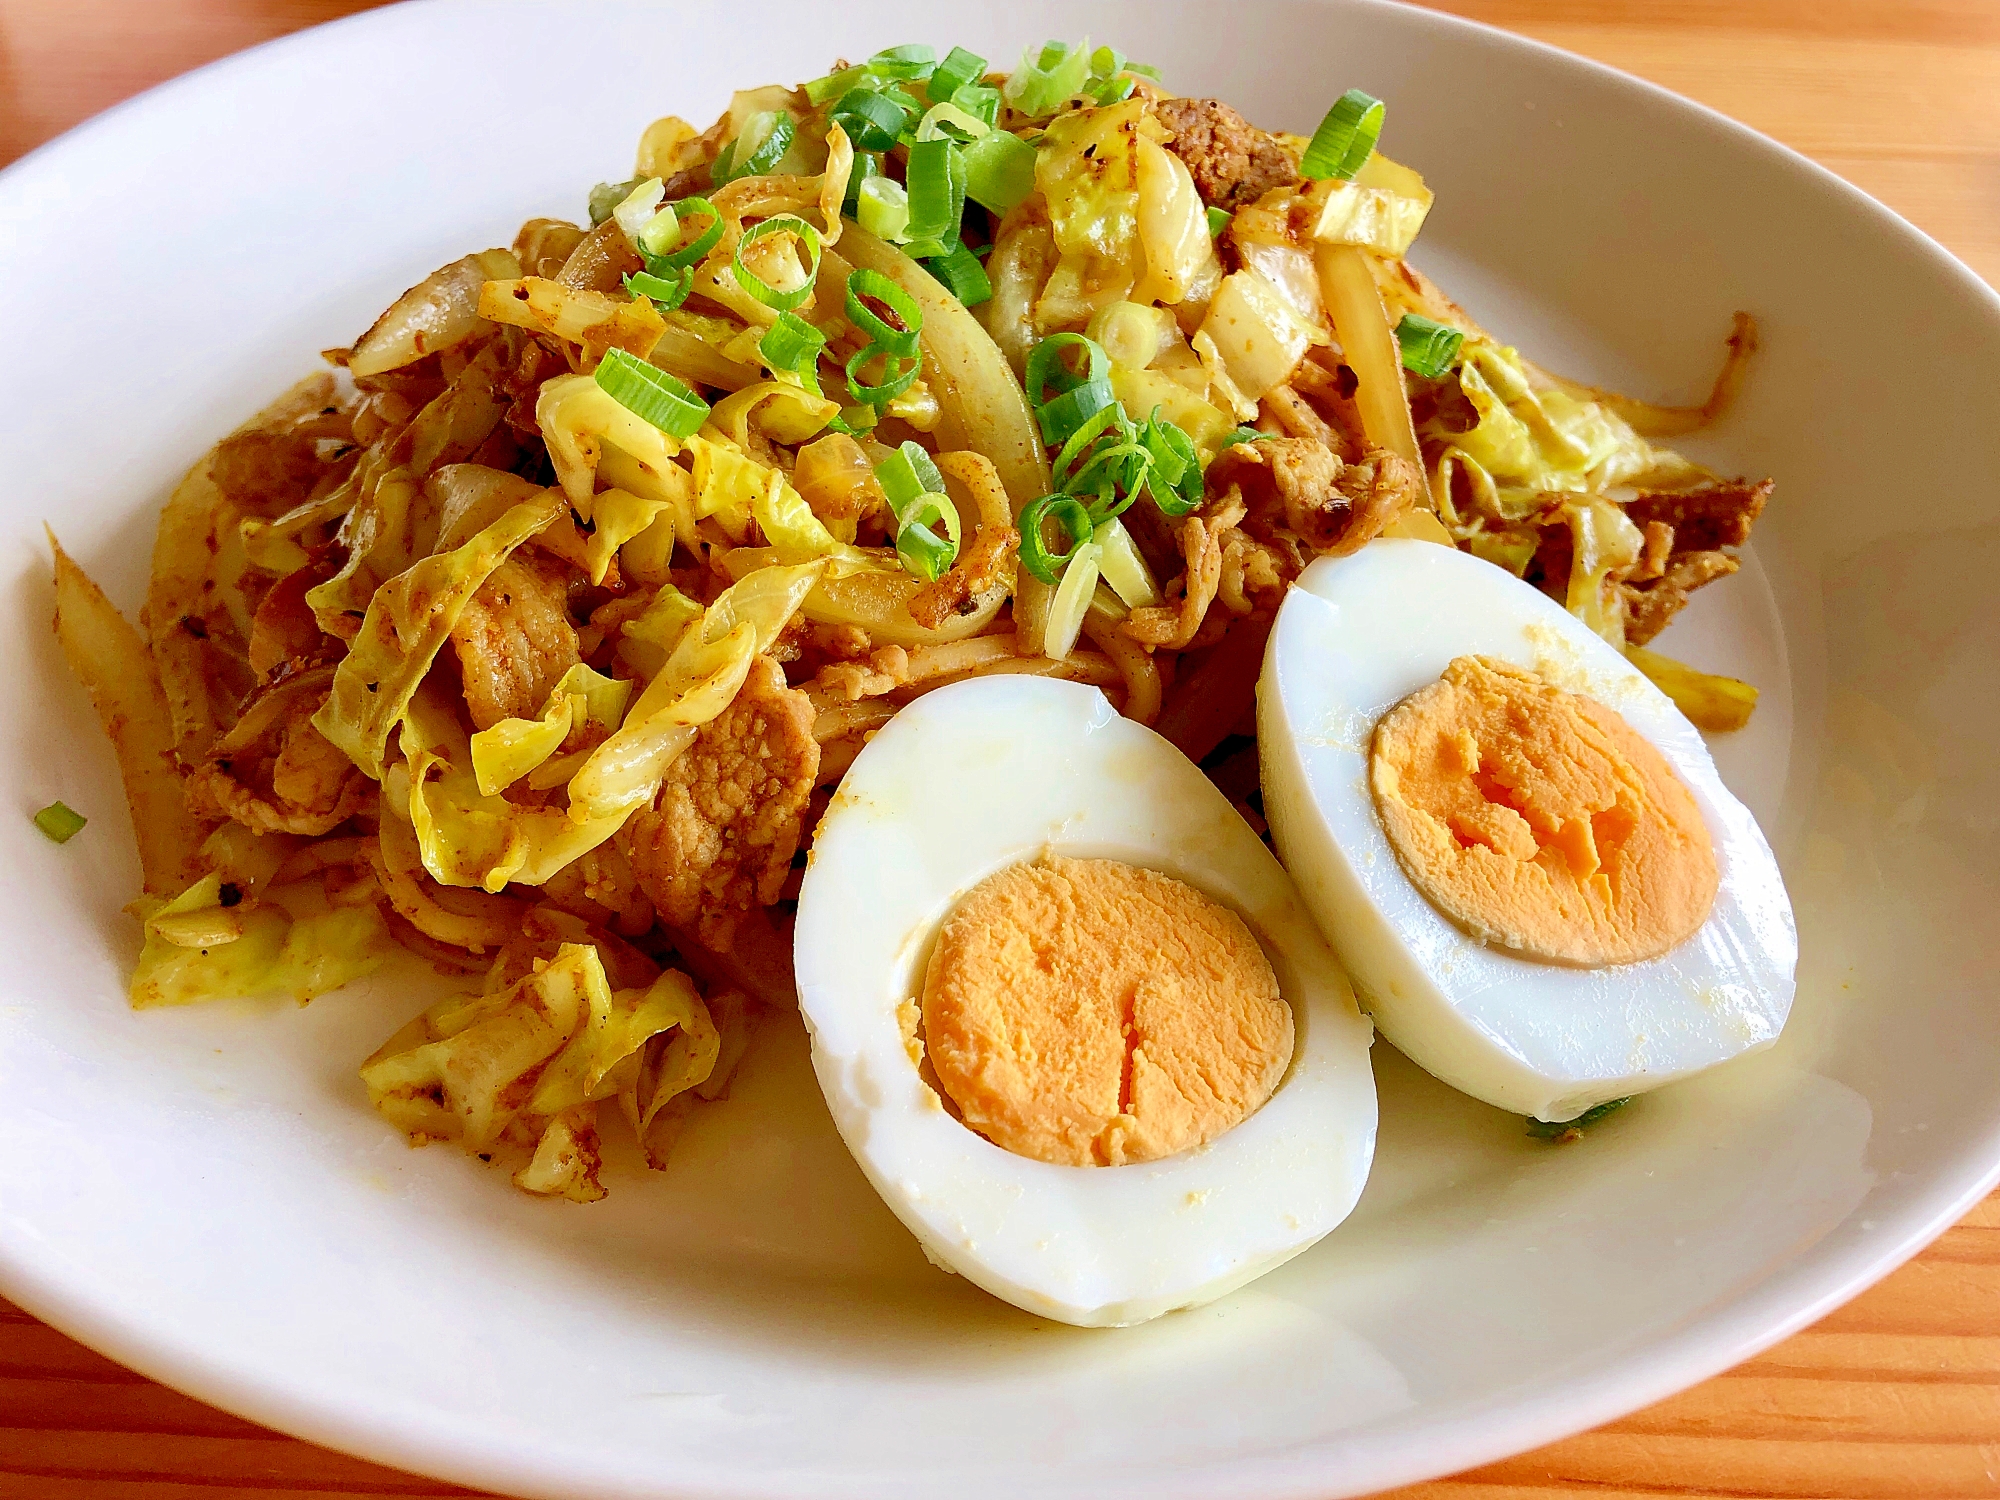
(1895, 1395)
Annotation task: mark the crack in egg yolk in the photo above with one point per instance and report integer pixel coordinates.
(1538, 819)
(1091, 1013)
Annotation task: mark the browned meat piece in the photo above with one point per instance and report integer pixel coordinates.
(285, 629)
(1233, 162)
(1716, 515)
(515, 639)
(988, 560)
(1649, 609)
(274, 773)
(719, 838)
(1303, 486)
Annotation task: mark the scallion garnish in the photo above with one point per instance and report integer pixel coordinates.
(882, 207)
(772, 297)
(1061, 417)
(934, 175)
(963, 276)
(684, 256)
(1429, 348)
(867, 166)
(1244, 435)
(873, 120)
(1345, 138)
(999, 170)
(608, 195)
(651, 394)
(866, 286)
(915, 492)
(793, 345)
(979, 101)
(899, 373)
(670, 291)
(1048, 79)
(765, 139)
(1218, 220)
(1067, 513)
(833, 85)
(1175, 481)
(1048, 370)
(958, 69)
(60, 821)
(949, 122)
(912, 61)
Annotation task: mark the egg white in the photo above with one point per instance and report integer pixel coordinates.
(964, 782)
(1356, 636)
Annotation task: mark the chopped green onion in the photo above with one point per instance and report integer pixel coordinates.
(1048, 79)
(1345, 138)
(1218, 220)
(899, 373)
(1047, 370)
(793, 345)
(1107, 62)
(695, 249)
(913, 61)
(882, 207)
(1175, 481)
(980, 101)
(763, 291)
(907, 475)
(1429, 348)
(1563, 1131)
(1244, 435)
(1113, 90)
(60, 821)
(949, 122)
(651, 394)
(1066, 513)
(958, 69)
(866, 286)
(867, 167)
(934, 175)
(1060, 418)
(833, 85)
(608, 195)
(1144, 70)
(659, 234)
(1074, 448)
(669, 291)
(637, 208)
(872, 119)
(963, 276)
(769, 135)
(999, 170)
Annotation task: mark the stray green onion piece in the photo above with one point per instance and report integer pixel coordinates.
(686, 255)
(608, 195)
(913, 61)
(833, 85)
(651, 394)
(1562, 1132)
(872, 119)
(915, 491)
(60, 821)
(773, 297)
(999, 170)
(765, 139)
(1429, 348)
(963, 276)
(1067, 513)
(793, 346)
(669, 291)
(958, 69)
(934, 175)
(882, 207)
(1345, 138)
(1218, 220)
(866, 286)
(1244, 435)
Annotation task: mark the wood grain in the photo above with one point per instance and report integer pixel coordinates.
(1894, 1397)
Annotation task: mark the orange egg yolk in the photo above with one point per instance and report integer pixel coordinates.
(1092, 1013)
(1539, 820)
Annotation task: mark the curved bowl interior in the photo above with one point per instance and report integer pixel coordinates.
(206, 1195)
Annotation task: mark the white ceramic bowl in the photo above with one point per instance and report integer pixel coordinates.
(206, 1195)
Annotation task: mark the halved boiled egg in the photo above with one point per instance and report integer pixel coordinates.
(1518, 846)
(1069, 1013)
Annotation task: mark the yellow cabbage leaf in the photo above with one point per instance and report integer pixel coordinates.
(581, 700)
(699, 680)
(407, 622)
(577, 417)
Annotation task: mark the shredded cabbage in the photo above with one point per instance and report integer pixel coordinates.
(1381, 209)
(469, 838)
(577, 417)
(700, 679)
(581, 702)
(1259, 335)
(407, 622)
